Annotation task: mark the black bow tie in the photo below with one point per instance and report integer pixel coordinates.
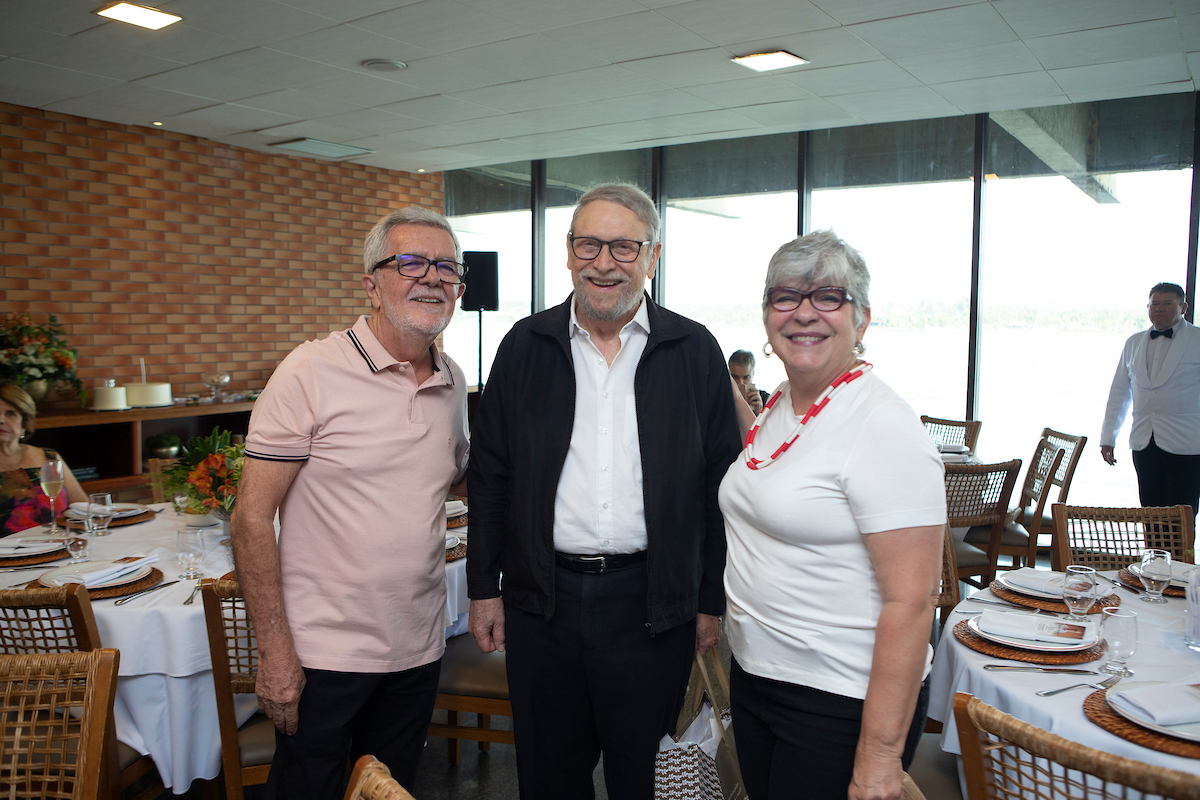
(1169, 332)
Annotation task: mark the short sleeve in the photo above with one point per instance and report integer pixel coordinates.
(281, 425)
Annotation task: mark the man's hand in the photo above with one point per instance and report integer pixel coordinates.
(754, 399)
(279, 684)
(708, 632)
(1106, 452)
(487, 624)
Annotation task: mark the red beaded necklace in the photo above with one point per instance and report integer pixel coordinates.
(849, 376)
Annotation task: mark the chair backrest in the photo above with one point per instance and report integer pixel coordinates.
(371, 780)
(948, 595)
(1072, 448)
(55, 710)
(1005, 757)
(1035, 492)
(953, 431)
(155, 467)
(1111, 538)
(55, 620)
(978, 494)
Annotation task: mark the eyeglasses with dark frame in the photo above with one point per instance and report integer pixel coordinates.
(623, 250)
(826, 298)
(417, 267)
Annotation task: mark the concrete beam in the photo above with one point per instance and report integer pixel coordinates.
(1066, 139)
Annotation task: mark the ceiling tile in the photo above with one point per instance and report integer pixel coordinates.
(443, 26)
(62, 18)
(706, 122)
(848, 12)
(919, 102)
(595, 84)
(130, 101)
(270, 67)
(828, 48)
(300, 104)
(537, 15)
(630, 36)
(363, 90)
(1108, 93)
(1189, 29)
(934, 31)
(1010, 91)
(1031, 18)
(852, 78)
(372, 120)
(633, 131)
(201, 82)
(439, 109)
(451, 73)
(113, 62)
(1140, 72)
(260, 22)
(347, 47)
(553, 140)
(16, 39)
(240, 118)
(985, 61)
(312, 129)
(749, 91)
(178, 42)
(722, 22)
(1138, 40)
(797, 114)
(49, 83)
(346, 10)
(534, 56)
(450, 135)
(652, 104)
(689, 69)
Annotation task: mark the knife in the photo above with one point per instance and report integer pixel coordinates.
(1121, 585)
(46, 567)
(125, 600)
(996, 603)
(1064, 670)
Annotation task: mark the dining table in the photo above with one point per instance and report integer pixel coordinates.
(1161, 656)
(165, 703)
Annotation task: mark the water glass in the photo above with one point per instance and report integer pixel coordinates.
(1120, 629)
(100, 512)
(1155, 574)
(1079, 591)
(1191, 623)
(76, 540)
(189, 549)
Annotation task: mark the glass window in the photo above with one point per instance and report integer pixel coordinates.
(1087, 208)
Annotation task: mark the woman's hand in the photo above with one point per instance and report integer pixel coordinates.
(876, 778)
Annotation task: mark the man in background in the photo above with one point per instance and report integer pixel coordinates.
(741, 369)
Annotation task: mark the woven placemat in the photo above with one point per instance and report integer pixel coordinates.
(456, 522)
(153, 579)
(1125, 576)
(41, 558)
(456, 552)
(145, 516)
(1010, 596)
(981, 645)
(1097, 709)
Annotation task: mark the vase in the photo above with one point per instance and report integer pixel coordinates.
(206, 520)
(37, 390)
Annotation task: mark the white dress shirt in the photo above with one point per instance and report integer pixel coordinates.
(1156, 352)
(599, 507)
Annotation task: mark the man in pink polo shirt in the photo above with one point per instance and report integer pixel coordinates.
(356, 440)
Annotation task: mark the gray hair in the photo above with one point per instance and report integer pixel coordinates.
(628, 195)
(820, 258)
(375, 246)
(742, 358)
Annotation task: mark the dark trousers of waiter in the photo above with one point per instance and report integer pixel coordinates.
(592, 679)
(1167, 479)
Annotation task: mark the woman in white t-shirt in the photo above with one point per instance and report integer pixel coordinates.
(834, 517)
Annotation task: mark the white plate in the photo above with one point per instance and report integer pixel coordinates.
(122, 510)
(1012, 587)
(1136, 569)
(48, 546)
(452, 542)
(48, 578)
(1189, 731)
(1029, 644)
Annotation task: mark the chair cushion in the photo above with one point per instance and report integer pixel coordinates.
(968, 556)
(1013, 535)
(256, 741)
(1047, 519)
(470, 673)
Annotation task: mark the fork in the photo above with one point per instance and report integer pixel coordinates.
(192, 596)
(1104, 684)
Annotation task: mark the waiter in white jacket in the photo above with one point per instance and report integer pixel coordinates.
(1159, 373)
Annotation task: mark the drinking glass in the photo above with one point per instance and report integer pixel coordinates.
(1155, 574)
(1119, 628)
(1079, 591)
(52, 484)
(189, 548)
(76, 540)
(100, 512)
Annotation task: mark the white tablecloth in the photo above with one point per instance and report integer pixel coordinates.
(1161, 656)
(165, 704)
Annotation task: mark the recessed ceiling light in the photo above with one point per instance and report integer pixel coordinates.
(317, 147)
(420, 170)
(139, 15)
(384, 64)
(764, 62)
(157, 124)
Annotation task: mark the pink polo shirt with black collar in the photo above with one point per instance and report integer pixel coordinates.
(362, 527)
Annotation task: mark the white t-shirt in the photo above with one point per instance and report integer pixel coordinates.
(803, 599)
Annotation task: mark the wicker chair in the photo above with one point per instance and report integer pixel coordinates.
(1006, 758)
(948, 594)
(48, 751)
(977, 494)
(155, 467)
(953, 431)
(1017, 541)
(60, 620)
(371, 780)
(1111, 538)
(474, 683)
(246, 751)
(1072, 447)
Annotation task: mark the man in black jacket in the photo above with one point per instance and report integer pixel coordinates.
(597, 547)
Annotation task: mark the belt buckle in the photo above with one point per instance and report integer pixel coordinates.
(594, 560)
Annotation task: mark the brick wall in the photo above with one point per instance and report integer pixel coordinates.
(193, 254)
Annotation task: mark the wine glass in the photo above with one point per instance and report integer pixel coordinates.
(189, 548)
(1155, 574)
(52, 484)
(214, 381)
(76, 540)
(100, 512)
(1079, 591)
(1120, 629)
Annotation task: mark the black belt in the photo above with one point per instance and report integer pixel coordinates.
(594, 565)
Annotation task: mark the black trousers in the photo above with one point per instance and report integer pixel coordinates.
(1167, 479)
(593, 679)
(353, 713)
(798, 742)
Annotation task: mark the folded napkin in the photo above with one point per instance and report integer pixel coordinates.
(15, 544)
(1040, 580)
(1164, 704)
(1036, 628)
(1179, 571)
(952, 448)
(103, 571)
(455, 507)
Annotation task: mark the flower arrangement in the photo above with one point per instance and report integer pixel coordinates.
(30, 352)
(207, 473)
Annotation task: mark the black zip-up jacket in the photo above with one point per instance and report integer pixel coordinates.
(520, 436)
